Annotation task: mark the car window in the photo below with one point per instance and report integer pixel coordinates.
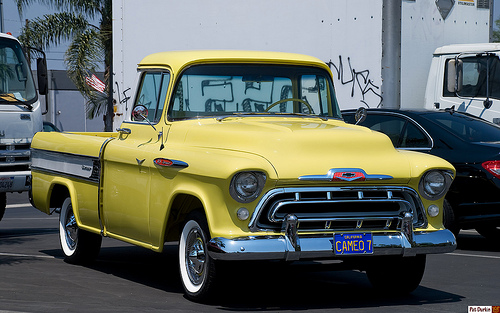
(413, 137)
(152, 94)
(402, 132)
(467, 128)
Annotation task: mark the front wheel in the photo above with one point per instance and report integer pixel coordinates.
(79, 246)
(402, 275)
(197, 269)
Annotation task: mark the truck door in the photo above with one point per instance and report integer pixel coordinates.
(129, 160)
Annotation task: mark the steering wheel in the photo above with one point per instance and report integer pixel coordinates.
(311, 111)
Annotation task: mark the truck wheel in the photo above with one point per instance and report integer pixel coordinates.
(490, 232)
(79, 246)
(3, 204)
(197, 269)
(401, 275)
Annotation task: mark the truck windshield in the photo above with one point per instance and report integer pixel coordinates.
(474, 72)
(221, 90)
(16, 82)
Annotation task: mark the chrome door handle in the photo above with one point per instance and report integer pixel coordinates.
(126, 131)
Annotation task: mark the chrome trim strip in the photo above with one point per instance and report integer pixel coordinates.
(272, 213)
(71, 165)
(101, 175)
(277, 247)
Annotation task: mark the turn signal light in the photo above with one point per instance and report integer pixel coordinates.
(493, 167)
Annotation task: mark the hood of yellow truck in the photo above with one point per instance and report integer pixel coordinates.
(299, 147)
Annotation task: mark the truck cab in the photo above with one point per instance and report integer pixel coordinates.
(466, 77)
(20, 117)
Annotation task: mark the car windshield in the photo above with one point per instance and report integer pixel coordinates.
(468, 128)
(16, 83)
(221, 90)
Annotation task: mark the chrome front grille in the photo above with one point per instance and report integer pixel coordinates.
(331, 209)
(15, 157)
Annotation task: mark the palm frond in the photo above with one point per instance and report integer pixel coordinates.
(86, 53)
(52, 29)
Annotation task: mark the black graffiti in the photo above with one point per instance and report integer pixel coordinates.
(358, 80)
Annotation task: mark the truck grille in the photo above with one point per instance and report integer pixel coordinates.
(15, 157)
(332, 209)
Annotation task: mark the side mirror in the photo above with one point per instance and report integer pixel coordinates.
(454, 75)
(139, 113)
(43, 82)
(360, 115)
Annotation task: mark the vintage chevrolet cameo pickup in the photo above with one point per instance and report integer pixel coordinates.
(241, 155)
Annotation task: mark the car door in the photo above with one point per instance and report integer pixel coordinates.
(128, 161)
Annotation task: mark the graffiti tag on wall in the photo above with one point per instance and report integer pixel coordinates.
(361, 84)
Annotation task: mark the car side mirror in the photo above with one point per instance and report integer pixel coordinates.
(454, 75)
(360, 115)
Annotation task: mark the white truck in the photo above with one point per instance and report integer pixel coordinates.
(379, 51)
(20, 116)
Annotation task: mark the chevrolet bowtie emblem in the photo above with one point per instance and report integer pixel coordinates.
(345, 174)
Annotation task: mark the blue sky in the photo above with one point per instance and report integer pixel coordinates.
(55, 56)
(13, 24)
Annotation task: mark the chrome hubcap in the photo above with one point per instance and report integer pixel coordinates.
(195, 256)
(71, 229)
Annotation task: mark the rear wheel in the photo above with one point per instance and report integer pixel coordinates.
(402, 275)
(79, 246)
(197, 269)
(3, 204)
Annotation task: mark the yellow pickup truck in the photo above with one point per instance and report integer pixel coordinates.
(242, 155)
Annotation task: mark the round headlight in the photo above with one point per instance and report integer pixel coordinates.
(246, 186)
(434, 184)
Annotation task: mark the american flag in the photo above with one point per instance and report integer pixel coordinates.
(95, 82)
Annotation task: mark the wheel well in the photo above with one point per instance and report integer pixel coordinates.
(182, 205)
(57, 196)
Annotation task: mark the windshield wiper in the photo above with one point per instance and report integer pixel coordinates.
(223, 117)
(11, 96)
(304, 115)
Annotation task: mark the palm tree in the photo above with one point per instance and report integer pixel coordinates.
(496, 31)
(89, 46)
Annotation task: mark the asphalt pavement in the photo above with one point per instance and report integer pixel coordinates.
(125, 278)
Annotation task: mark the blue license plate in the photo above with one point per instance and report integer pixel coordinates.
(353, 243)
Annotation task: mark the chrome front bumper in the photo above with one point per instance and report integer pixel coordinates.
(286, 247)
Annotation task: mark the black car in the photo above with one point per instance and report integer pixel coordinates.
(49, 127)
(470, 143)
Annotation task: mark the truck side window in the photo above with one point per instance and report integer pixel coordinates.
(474, 77)
(152, 94)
